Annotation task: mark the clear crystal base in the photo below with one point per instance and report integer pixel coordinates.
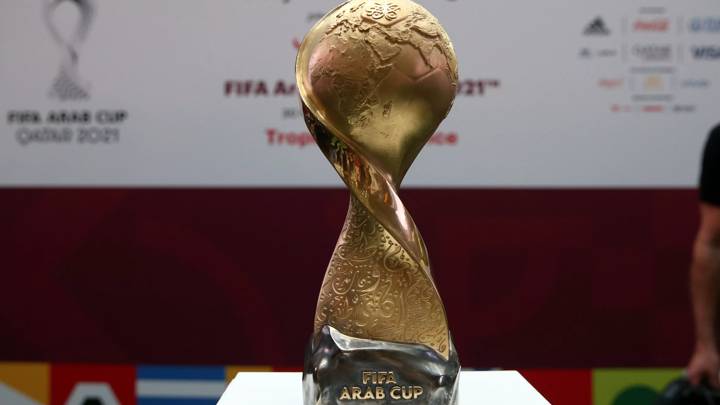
(340, 369)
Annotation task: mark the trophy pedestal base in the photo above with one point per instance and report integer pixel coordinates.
(341, 369)
(476, 387)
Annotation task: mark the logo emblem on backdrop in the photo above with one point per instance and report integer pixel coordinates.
(705, 24)
(652, 25)
(694, 83)
(611, 83)
(597, 27)
(653, 52)
(68, 85)
(654, 83)
(706, 52)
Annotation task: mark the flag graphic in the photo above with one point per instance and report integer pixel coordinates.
(630, 386)
(158, 385)
(85, 384)
(231, 371)
(24, 383)
(562, 387)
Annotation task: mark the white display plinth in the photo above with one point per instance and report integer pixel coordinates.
(476, 387)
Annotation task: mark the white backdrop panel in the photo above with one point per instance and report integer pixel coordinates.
(175, 94)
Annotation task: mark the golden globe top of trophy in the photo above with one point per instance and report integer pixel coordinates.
(376, 78)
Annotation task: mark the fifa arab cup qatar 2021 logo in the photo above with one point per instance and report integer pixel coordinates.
(78, 123)
(68, 85)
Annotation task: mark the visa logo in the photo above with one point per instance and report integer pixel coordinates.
(706, 52)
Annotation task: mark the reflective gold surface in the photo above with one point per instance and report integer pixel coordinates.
(376, 79)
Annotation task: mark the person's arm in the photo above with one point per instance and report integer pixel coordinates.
(705, 290)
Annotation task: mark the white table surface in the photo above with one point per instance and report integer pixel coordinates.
(476, 388)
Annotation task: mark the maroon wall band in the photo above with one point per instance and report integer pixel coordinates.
(552, 278)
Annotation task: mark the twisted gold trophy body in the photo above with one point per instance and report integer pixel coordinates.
(376, 78)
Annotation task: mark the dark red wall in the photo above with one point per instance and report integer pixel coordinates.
(530, 278)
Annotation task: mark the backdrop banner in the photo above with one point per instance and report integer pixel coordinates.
(187, 93)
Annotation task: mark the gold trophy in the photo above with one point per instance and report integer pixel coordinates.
(376, 78)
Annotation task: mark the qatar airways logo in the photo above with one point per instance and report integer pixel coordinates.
(653, 52)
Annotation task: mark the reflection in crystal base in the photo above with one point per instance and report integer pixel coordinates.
(340, 369)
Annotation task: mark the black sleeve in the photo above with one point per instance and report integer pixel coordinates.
(710, 175)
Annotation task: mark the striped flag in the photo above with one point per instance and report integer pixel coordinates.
(157, 385)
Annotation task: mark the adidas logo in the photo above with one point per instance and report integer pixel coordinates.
(596, 27)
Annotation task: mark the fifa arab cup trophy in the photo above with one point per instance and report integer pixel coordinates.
(376, 78)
